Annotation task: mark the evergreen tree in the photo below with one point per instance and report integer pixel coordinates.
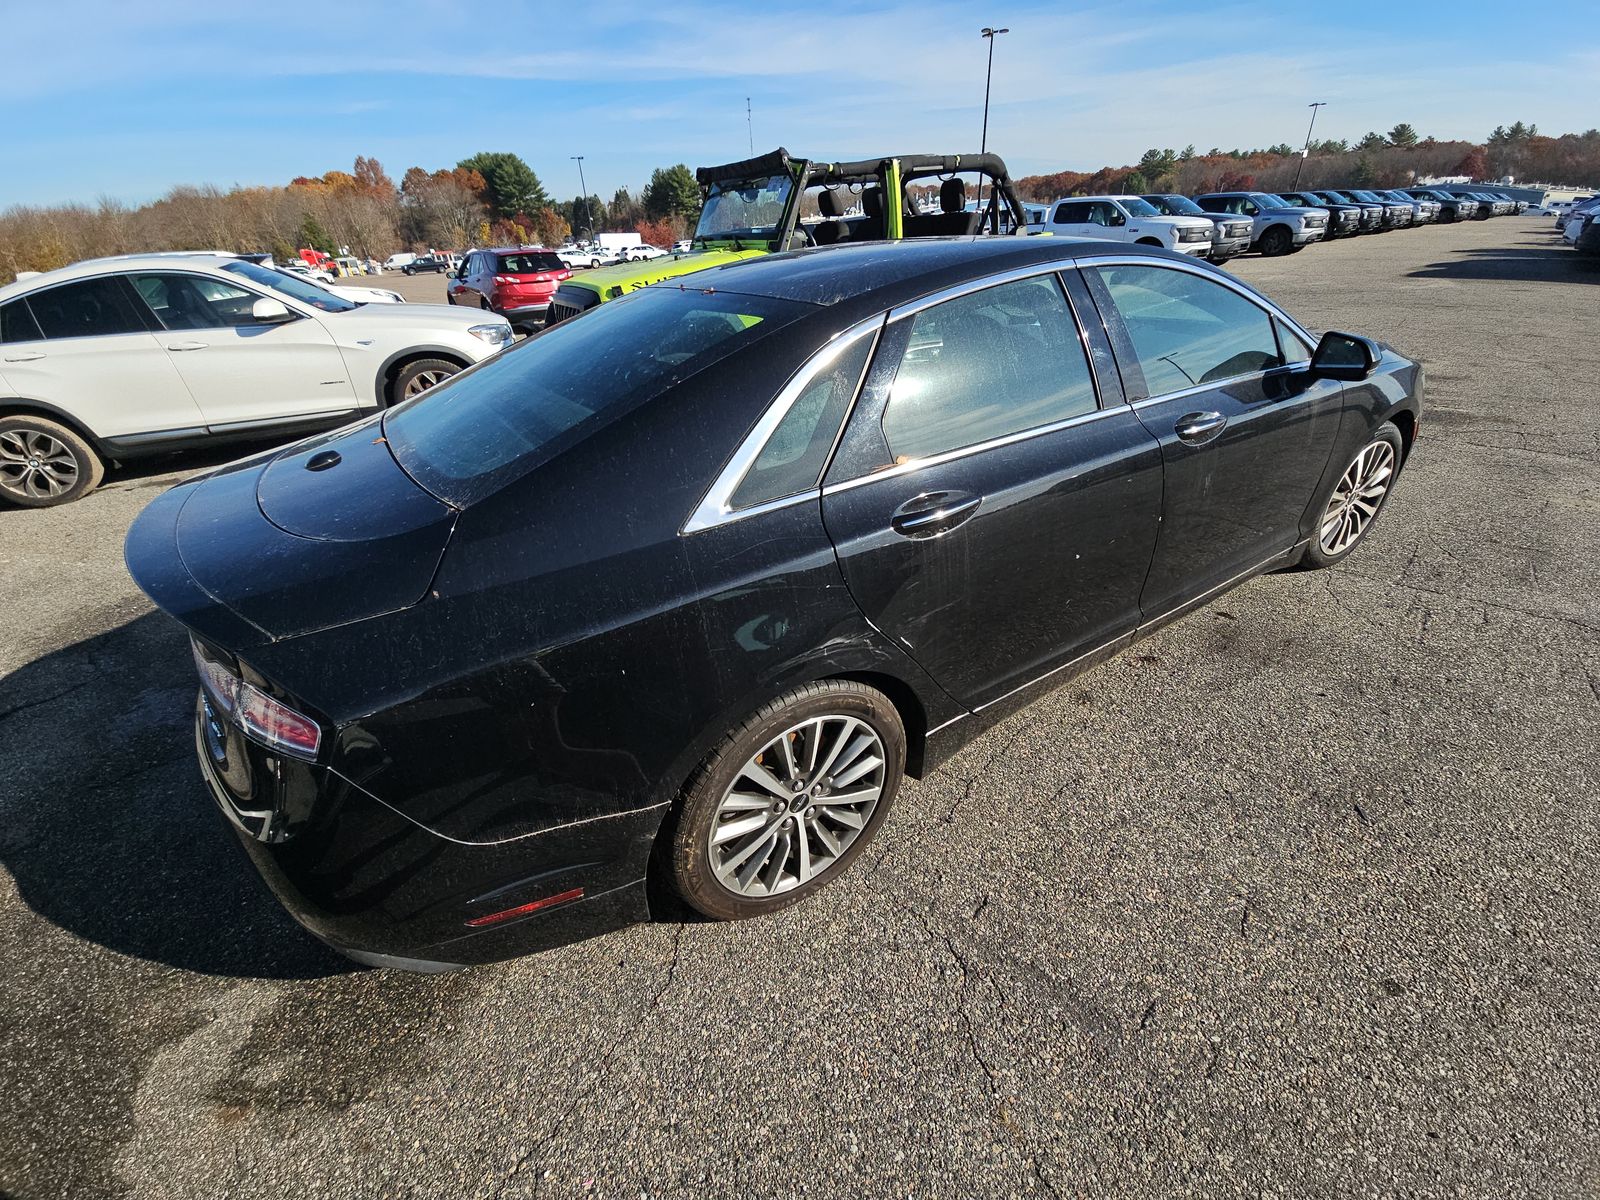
(1403, 135)
(511, 184)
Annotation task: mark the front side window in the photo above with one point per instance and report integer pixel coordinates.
(1106, 214)
(1295, 349)
(982, 366)
(1187, 330)
(794, 456)
(17, 323)
(89, 308)
(195, 302)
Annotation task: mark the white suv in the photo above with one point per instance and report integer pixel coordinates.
(1129, 219)
(114, 358)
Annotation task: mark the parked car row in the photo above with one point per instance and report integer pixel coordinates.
(1579, 225)
(1219, 225)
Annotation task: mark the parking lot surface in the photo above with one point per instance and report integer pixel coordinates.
(1297, 898)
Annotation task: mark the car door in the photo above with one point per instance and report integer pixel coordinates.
(1071, 217)
(460, 285)
(1245, 431)
(242, 371)
(990, 513)
(87, 349)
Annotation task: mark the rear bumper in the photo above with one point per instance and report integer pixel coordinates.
(385, 891)
(524, 308)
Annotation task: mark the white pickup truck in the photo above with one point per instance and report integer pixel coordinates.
(1128, 219)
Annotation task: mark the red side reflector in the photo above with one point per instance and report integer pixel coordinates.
(523, 910)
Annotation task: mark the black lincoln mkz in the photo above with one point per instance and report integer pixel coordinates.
(679, 590)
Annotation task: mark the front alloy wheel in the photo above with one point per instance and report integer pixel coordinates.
(787, 800)
(1356, 499)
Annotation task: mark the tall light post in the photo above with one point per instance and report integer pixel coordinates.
(989, 36)
(1306, 153)
(587, 219)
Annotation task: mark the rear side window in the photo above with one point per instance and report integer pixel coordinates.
(529, 263)
(1071, 214)
(793, 458)
(17, 323)
(476, 432)
(89, 308)
(1187, 330)
(982, 366)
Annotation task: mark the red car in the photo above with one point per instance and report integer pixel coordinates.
(517, 284)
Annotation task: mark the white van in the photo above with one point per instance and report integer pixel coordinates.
(396, 261)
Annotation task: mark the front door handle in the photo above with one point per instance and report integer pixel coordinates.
(25, 356)
(1198, 428)
(933, 513)
(188, 345)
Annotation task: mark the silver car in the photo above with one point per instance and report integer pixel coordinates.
(115, 358)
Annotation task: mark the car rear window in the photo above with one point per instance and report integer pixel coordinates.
(480, 430)
(530, 264)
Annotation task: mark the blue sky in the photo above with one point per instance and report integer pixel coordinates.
(107, 97)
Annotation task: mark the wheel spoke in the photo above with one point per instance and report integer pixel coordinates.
(740, 801)
(844, 816)
(759, 775)
(803, 846)
(838, 745)
(729, 830)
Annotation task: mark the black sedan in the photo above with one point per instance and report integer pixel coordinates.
(670, 597)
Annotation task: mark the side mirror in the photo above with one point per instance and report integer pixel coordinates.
(270, 312)
(1345, 356)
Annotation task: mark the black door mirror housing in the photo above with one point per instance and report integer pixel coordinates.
(1346, 356)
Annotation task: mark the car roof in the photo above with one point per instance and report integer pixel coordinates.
(873, 276)
(90, 267)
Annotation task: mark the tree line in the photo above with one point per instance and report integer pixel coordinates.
(492, 198)
(1385, 160)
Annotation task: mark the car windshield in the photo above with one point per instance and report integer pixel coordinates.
(1181, 206)
(1269, 201)
(471, 435)
(751, 208)
(1136, 207)
(530, 262)
(302, 290)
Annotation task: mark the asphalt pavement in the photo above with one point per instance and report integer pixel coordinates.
(1297, 898)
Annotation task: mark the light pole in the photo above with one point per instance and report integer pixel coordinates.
(587, 220)
(989, 36)
(1306, 153)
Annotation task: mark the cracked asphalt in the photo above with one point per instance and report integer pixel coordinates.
(1297, 898)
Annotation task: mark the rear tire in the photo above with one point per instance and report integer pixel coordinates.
(771, 815)
(418, 376)
(43, 463)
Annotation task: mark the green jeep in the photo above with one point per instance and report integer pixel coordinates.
(775, 202)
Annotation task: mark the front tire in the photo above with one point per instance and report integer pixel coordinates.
(1276, 241)
(787, 800)
(43, 464)
(1351, 507)
(418, 376)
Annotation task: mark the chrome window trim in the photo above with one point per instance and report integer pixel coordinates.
(1009, 439)
(966, 288)
(715, 508)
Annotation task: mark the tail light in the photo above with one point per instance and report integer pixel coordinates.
(260, 717)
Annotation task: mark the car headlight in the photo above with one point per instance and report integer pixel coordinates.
(497, 334)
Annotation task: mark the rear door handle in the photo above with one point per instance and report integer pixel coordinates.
(1198, 428)
(187, 345)
(25, 356)
(933, 513)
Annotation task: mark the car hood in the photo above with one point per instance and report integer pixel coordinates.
(406, 318)
(611, 282)
(1182, 221)
(328, 531)
(1294, 210)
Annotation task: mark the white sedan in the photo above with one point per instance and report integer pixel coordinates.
(115, 358)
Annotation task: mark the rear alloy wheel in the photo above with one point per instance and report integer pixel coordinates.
(417, 377)
(43, 464)
(788, 800)
(1277, 241)
(1356, 499)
